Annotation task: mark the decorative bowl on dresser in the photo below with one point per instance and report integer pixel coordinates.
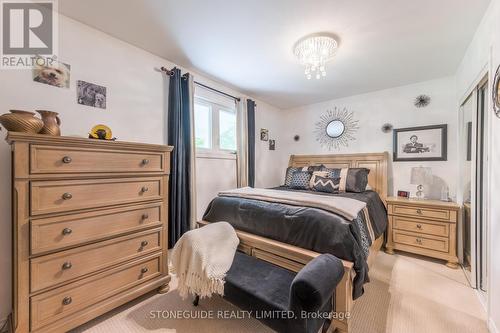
(89, 226)
(426, 227)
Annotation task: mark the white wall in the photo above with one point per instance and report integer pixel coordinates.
(136, 107)
(270, 165)
(393, 106)
(483, 55)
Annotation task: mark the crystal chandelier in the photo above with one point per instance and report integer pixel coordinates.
(314, 52)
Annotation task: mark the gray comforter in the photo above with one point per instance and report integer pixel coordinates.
(311, 228)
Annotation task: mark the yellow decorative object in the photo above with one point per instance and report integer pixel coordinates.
(101, 132)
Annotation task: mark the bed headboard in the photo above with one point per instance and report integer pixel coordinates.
(376, 162)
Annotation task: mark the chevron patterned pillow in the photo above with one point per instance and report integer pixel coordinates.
(324, 184)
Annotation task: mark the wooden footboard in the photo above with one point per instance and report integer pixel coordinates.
(294, 258)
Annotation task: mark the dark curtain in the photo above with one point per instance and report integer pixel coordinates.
(179, 136)
(251, 142)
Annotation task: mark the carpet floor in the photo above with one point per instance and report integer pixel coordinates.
(406, 294)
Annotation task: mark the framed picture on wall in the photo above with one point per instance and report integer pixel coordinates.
(424, 143)
(264, 134)
(272, 144)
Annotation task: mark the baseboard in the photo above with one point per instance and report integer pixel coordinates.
(492, 327)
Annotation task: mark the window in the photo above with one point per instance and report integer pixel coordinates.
(214, 126)
(227, 130)
(203, 126)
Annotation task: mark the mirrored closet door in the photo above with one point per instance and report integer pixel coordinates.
(473, 157)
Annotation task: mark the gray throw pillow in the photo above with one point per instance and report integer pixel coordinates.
(356, 180)
(352, 179)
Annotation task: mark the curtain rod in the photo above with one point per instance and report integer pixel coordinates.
(217, 91)
(171, 73)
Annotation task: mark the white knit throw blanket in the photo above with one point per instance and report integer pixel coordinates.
(202, 257)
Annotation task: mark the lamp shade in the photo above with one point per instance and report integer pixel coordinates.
(421, 175)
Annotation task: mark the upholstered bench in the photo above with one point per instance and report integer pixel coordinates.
(283, 300)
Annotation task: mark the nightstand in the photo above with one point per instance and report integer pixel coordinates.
(425, 227)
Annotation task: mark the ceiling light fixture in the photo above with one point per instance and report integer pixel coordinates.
(314, 52)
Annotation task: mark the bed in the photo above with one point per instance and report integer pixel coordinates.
(284, 251)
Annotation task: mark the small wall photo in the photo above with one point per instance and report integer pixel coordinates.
(264, 134)
(91, 94)
(56, 74)
(272, 144)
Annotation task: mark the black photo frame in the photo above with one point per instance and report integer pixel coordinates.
(415, 151)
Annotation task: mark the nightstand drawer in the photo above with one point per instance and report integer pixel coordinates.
(413, 225)
(433, 213)
(421, 241)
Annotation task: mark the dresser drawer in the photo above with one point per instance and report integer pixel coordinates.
(421, 241)
(53, 269)
(61, 302)
(59, 232)
(433, 213)
(60, 159)
(63, 196)
(425, 227)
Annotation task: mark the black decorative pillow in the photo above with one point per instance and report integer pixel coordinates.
(356, 179)
(333, 173)
(324, 184)
(289, 173)
(300, 180)
(313, 168)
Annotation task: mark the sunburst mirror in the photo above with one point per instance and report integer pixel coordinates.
(336, 128)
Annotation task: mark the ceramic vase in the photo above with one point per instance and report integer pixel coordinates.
(51, 123)
(21, 121)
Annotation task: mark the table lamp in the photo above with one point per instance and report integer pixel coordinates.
(419, 177)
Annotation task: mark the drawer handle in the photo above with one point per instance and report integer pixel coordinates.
(67, 231)
(67, 265)
(145, 161)
(419, 226)
(67, 159)
(67, 196)
(67, 300)
(144, 270)
(145, 216)
(144, 189)
(419, 240)
(144, 243)
(419, 211)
